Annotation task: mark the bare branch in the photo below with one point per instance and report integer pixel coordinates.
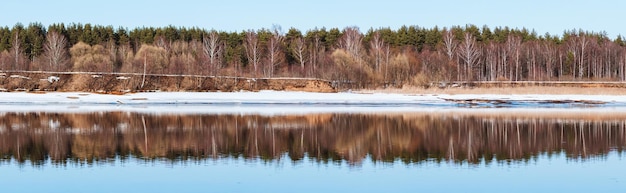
(16, 49)
(252, 48)
(449, 44)
(55, 51)
(274, 56)
(351, 41)
(212, 47)
(376, 45)
(298, 48)
(470, 53)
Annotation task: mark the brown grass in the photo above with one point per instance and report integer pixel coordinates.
(552, 90)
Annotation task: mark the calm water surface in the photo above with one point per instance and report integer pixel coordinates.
(465, 151)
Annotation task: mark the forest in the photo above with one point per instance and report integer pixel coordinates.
(410, 55)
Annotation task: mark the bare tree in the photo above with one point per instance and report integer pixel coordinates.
(469, 52)
(314, 52)
(449, 44)
(298, 50)
(549, 53)
(252, 49)
(513, 49)
(376, 46)
(577, 46)
(622, 66)
(113, 49)
(532, 59)
(5, 60)
(55, 51)
(572, 52)
(126, 56)
(583, 42)
(274, 54)
(162, 42)
(212, 47)
(387, 52)
(611, 51)
(16, 48)
(351, 41)
(503, 62)
(316, 57)
(491, 60)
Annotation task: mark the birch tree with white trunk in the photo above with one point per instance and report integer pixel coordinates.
(449, 44)
(213, 47)
(251, 45)
(351, 41)
(55, 52)
(298, 49)
(275, 56)
(514, 49)
(376, 47)
(470, 52)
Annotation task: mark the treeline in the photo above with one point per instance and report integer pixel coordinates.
(378, 57)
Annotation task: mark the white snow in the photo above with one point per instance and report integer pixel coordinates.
(262, 97)
(52, 79)
(539, 97)
(277, 102)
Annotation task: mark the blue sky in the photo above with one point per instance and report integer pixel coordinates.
(553, 16)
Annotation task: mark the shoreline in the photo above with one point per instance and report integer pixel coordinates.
(521, 90)
(121, 83)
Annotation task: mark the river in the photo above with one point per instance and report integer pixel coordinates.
(457, 150)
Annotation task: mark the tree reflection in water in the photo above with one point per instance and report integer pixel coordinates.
(409, 137)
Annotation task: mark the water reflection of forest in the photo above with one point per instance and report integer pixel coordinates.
(411, 138)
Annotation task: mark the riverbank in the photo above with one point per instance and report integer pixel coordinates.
(119, 83)
(505, 90)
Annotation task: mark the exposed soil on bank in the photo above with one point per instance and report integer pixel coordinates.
(121, 83)
(118, 83)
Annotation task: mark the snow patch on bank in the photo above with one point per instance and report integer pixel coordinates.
(262, 97)
(291, 102)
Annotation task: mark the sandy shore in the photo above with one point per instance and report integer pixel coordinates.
(533, 90)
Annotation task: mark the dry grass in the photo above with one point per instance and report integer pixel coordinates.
(552, 90)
